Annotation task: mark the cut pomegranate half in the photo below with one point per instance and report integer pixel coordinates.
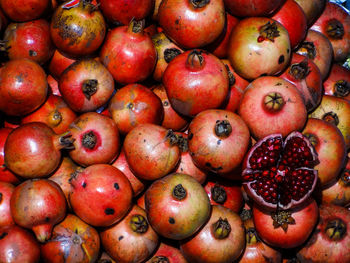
(280, 174)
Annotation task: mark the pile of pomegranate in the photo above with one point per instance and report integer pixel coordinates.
(173, 131)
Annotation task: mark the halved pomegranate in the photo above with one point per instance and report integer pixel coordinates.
(280, 174)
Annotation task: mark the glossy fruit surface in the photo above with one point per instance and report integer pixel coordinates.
(243, 8)
(19, 10)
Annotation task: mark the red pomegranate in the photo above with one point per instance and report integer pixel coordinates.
(338, 82)
(183, 203)
(272, 105)
(23, 87)
(195, 81)
(72, 241)
(38, 204)
(33, 150)
(312, 9)
(279, 174)
(6, 190)
(25, 10)
(58, 63)
(101, 194)
(167, 253)
(243, 8)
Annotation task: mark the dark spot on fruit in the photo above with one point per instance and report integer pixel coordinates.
(281, 59)
(278, 84)
(218, 142)
(190, 136)
(287, 50)
(0, 198)
(109, 211)
(116, 186)
(120, 238)
(177, 21)
(3, 235)
(263, 75)
(76, 231)
(47, 219)
(83, 184)
(171, 220)
(32, 53)
(208, 164)
(144, 140)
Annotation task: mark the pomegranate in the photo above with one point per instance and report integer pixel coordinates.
(257, 39)
(19, 10)
(293, 18)
(338, 82)
(334, 23)
(54, 112)
(58, 63)
(195, 81)
(130, 240)
(38, 204)
(101, 194)
(151, 151)
(312, 9)
(23, 87)
(184, 206)
(330, 147)
(306, 76)
(77, 30)
(218, 140)
(32, 150)
(280, 174)
(29, 40)
(286, 228)
(167, 253)
(129, 53)
(275, 101)
(134, 104)
(96, 139)
(330, 241)
(318, 48)
(190, 23)
(221, 239)
(336, 111)
(72, 241)
(5, 174)
(6, 190)
(18, 245)
(252, 8)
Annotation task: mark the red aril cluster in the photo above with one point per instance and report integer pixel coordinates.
(142, 130)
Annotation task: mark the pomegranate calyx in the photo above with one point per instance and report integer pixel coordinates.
(251, 236)
(172, 138)
(55, 118)
(160, 259)
(65, 141)
(246, 214)
(269, 31)
(170, 54)
(342, 88)
(300, 70)
(139, 224)
(89, 87)
(273, 102)
(179, 192)
(231, 77)
(218, 194)
(345, 177)
(282, 218)
(336, 229)
(335, 29)
(223, 128)
(312, 138)
(182, 143)
(331, 117)
(221, 228)
(3, 46)
(195, 61)
(307, 49)
(136, 26)
(89, 140)
(199, 3)
(43, 232)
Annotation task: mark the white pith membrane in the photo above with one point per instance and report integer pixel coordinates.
(280, 174)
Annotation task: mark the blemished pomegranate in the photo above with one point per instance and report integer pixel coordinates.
(279, 173)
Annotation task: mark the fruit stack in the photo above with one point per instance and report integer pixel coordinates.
(209, 131)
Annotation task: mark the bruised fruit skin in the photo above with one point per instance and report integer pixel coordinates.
(257, 39)
(79, 30)
(218, 140)
(330, 241)
(336, 111)
(286, 228)
(130, 240)
(276, 101)
(196, 81)
(330, 147)
(151, 151)
(334, 23)
(18, 245)
(38, 204)
(184, 204)
(221, 239)
(190, 23)
(72, 241)
(23, 87)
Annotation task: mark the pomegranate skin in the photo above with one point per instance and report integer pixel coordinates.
(272, 105)
(6, 190)
(25, 10)
(18, 245)
(243, 8)
(38, 204)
